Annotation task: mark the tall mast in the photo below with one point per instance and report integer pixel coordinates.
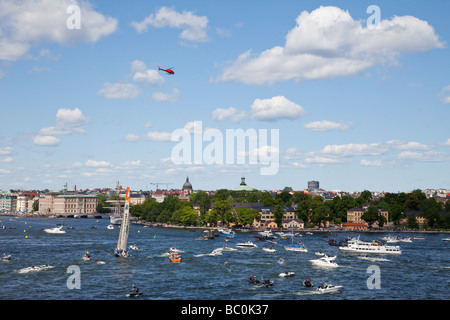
(124, 230)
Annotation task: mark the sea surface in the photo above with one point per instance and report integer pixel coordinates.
(421, 272)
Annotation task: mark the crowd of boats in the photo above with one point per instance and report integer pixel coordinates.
(382, 247)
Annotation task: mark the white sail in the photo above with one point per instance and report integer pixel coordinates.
(121, 249)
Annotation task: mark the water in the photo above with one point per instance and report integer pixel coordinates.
(420, 273)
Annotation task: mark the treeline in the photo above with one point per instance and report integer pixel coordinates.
(312, 209)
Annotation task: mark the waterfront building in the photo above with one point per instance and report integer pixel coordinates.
(267, 218)
(8, 202)
(354, 215)
(61, 203)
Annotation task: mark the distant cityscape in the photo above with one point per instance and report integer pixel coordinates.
(17, 200)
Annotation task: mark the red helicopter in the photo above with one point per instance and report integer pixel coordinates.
(168, 71)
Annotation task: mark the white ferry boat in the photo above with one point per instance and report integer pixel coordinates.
(358, 246)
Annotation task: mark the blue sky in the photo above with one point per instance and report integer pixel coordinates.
(355, 107)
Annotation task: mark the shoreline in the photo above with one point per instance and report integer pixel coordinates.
(164, 225)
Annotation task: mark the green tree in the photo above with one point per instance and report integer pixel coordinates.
(36, 205)
(371, 215)
(278, 212)
(412, 222)
(221, 211)
(246, 216)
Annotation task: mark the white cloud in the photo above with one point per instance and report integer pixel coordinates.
(119, 91)
(445, 143)
(70, 118)
(446, 99)
(6, 150)
(368, 163)
(194, 27)
(328, 43)
(28, 23)
(149, 77)
(235, 115)
(166, 97)
(97, 164)
(68, 121)
(275, 108)
(158, 136)
(48, 141)
(430, 156)
(325, 125)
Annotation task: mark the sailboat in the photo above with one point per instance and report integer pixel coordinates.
(299, 247)
(121, 250)
(116, 218)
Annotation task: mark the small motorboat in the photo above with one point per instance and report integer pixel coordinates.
(325, 261)
(267, 283)
(135, 291)
(319, 254)
(35, 268)
(86, 256)
(308, 283)
(110, 227)
(174, 257)
(57, 230)
(446, 239)
(133, 247)
(216, 252)
(6, 256)
(328, 288)
(286, 274)
(269, 250)
(247, 244)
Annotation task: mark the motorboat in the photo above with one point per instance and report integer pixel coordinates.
(57, 230)
(296, 247)
(86, 256)
(358, 246)
(286, 274)
(174, 257)
(407, 239)
(35, 268)
(269, 250)
(446, 239)
(325, 261)
(110, 227)
(227, 232)
(135, 291)
(319, 254)
(247, 244)
(216, 252)
(328, 288)
(133, 247)
(267, 234)
(262, 283)
(6, 256)
(308, 283)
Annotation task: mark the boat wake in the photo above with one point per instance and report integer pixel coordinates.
(303, 293)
